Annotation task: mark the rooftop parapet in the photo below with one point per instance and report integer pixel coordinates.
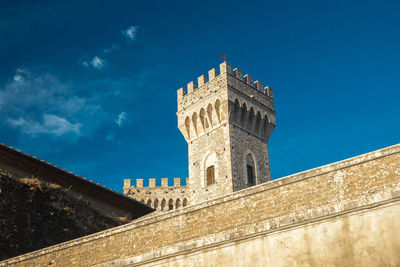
(152, 183)
(224, 67)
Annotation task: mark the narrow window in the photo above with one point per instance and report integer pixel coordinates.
(250, 174)
(170, 205)
(210, 175)
(250, 170)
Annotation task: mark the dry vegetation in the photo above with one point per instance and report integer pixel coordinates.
(35, 214)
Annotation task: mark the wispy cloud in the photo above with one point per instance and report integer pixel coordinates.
(37, 104)
(96, 62)
(121, 118)
(52, 124)
(130, 33)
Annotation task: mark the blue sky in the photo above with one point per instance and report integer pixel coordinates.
(91, 85)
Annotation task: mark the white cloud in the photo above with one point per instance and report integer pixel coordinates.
(130, 33)
(98, 63)
(52, 124)
(121, 118)
(41, 104)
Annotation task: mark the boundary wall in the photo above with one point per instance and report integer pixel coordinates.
(343, 214)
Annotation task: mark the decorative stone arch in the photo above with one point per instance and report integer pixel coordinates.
(184, 202)
(236, 110)
(210, 159)
(243, 114)
(249, 158)
(163, 204)
(156, 204)
(170, 204)
(209, 114)
(187, 126)
(251, 119)
(218, 109)
(266, 122)
(203, 119)
(194, 123)
(258, 123)
(177, 203)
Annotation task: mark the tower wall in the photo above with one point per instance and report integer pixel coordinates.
(243, 143)
(224, 120)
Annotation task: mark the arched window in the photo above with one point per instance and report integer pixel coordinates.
(210, 170)
(178, 203)
(149, 202)
(250, 170)
(156, 204)
(184, 202)
(170, 204)
(163, 203)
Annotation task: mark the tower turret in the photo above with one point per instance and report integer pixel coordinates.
(226, 122)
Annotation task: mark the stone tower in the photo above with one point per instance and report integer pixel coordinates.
(226, 122)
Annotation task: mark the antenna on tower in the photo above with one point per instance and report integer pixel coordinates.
(223, 57)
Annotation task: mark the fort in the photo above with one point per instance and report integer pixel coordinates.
(226, 121)
(345, 213)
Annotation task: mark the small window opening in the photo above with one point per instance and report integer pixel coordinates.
(250, 170)
(171, 207)
(210, 175)
(250, 175)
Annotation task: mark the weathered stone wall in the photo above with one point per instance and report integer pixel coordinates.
(342, 214)
(359, 238)
(210, 117)
(160, 198)
(242, 144)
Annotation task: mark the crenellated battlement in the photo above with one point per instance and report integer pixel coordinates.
(152, 183)
(160, 197)
(224, 68)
